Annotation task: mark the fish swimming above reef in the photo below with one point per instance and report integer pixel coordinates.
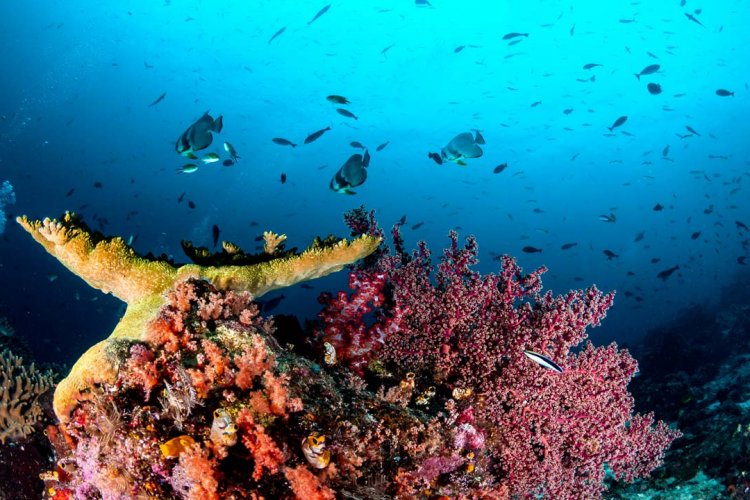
(353, 173)
(462, 146)
(232, 152)
(618, 123)
(315, 135)
(648, 70)
(198, 135)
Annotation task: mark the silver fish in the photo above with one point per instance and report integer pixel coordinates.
(462, 146)
(352, 174)
(198, 135)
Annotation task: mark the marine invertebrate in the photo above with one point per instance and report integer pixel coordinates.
(109, 265)
(543, 432)
(20, 388)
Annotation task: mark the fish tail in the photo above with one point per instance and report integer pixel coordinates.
(611, 128)
(637, 75)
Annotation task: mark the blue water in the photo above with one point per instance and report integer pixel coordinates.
(79, 77)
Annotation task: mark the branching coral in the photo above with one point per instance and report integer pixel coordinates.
(108, 264)
(20, 388)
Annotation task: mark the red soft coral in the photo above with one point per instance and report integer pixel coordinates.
(266, 454)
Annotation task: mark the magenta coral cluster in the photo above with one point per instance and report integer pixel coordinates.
(465, 335)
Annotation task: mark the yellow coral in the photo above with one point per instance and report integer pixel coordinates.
(20, 388)
(272, 241)
(111, 266)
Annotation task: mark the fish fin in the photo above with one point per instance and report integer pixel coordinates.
(461, 163)
(218, 124)
(637, 76)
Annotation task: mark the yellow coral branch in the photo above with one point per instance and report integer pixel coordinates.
(108, 264)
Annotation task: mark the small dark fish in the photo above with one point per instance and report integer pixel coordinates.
(215, 231)
(273, 303)
(283, 177)
(695, 235)
(608, 218)
(627, 21)
(639, 236)
(70, 192)
(648, 70)
(337, 99)
(724, 92)
(227, 163)
(259, 238)
(665, 151)
(741, 260)
(568, 246)
(346, 113)
(654, 88)
(180, 198)
(692, 18)
(567, 111)
(320, 13)
(510, 36)
(191, 204)
(417, 226)
(387, 48)
(692, 130)
(530, 249)
(422, 3)
(401, 221)
(591, 65)
(158, 100)
(459, 49)
(499, 168)
(382, 146)
(276, 34)
(98, 185)
(535, 104)
(543, 361)
(610, 254)
(618, 122)
(741, 225)
(665, 274)
(658, 207)
(283, 142)
(655, 260)
(310, 138)
(356, 144)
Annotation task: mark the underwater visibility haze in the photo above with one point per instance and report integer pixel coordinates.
(604, 141)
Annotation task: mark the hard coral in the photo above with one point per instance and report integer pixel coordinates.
(108, 264)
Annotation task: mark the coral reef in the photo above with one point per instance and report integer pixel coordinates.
(20, 389)
(418, 384)
(109, 265)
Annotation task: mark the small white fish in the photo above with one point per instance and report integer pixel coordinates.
(188, 169)
(542, 361)
(210, 158)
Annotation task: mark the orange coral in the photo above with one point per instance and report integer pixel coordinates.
(199, 471)
(253, 361)
(306, 485)
(261, 446)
